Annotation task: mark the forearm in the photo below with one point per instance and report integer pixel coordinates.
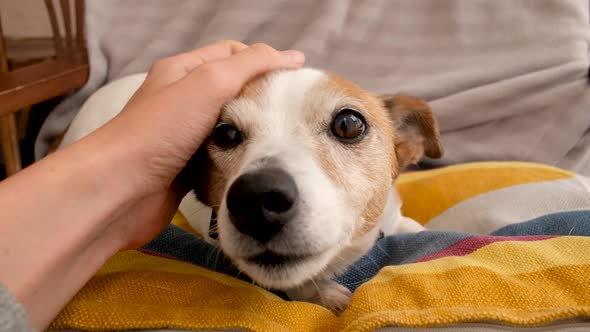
(63, 204)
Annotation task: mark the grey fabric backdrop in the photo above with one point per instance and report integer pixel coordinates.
(506, 78)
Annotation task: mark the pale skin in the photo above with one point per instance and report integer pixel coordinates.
(66, 215)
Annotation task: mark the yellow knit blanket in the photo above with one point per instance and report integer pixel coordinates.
(520, 281)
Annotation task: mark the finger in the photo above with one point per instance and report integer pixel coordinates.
(221, 50)
(225, 78)
(169, 70)
(260, 58)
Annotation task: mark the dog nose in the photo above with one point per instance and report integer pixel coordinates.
(262, 202)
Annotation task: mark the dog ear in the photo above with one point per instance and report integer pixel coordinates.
(196, 174)
(416, 129)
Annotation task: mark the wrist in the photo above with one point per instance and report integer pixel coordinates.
(56, 284)
(143, 153)
(54, 237)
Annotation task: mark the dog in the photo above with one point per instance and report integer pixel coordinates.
(300, 170)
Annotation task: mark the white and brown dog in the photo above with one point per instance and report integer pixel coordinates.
(300, 172)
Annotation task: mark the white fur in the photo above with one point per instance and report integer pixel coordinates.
(392, 221)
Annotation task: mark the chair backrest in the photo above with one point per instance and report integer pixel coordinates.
(3, 55)
(70, 13)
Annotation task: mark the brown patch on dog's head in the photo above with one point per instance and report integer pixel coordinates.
(406, 130)
(414, 134)
(373, 111)
(376, 155)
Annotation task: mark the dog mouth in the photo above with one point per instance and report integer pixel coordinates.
(272, 259)
(274, 270)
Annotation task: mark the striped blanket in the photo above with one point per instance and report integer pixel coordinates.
(507, 243)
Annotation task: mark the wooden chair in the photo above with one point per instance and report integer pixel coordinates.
(30, 85)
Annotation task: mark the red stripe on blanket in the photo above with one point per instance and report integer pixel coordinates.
(469, 245)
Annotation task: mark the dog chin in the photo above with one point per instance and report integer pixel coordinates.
(283, 272)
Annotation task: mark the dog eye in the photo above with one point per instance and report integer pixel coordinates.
(349, 125)
(227, 136)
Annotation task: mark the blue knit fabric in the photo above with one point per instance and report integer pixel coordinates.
(390, 250)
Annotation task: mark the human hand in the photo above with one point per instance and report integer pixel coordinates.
(169, 117)
(115, 188)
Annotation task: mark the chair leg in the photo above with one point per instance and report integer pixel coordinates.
(10, 147)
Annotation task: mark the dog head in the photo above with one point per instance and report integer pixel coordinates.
(299, 168)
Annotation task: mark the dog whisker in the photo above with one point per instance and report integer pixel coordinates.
(218, 254)
(349, 284)
(378, 246)
(373, 261)
(215, 251)
(318, 289)
(219, 174)
(195, 212)
(572, 230)
(344, 260)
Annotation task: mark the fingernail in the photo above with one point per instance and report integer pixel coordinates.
(295, 57)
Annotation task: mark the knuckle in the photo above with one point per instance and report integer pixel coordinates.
(229, 42)
(214, 74)
(265, 50)
(210, 70)
(162, 64)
